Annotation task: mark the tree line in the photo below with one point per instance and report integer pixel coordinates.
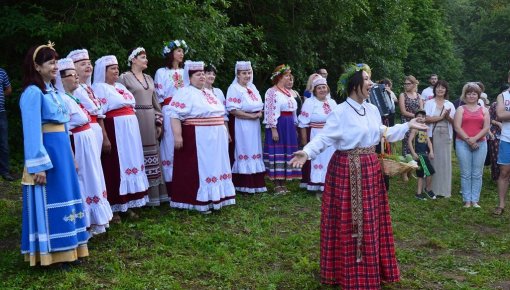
(460, 40)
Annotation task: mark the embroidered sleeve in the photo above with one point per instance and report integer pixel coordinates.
(233, 99)
(271, 109)
(72, 108)
(102, 95)
(36, 156)
(395, 133)
(128, 97)
(181, 104)
(332, 131)
(306, 111)
(158, 84)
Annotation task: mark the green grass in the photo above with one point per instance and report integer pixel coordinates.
(270, 242)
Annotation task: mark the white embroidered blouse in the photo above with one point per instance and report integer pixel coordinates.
(246, 99)
(113, 97)
(191, 102)
(276, 102)
(315, 111)
(349, 127)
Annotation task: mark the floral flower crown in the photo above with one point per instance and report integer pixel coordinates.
(285, 68)
(347, 75)
(174, 44)
(134, 54)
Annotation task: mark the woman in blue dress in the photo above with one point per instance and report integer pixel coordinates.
(53, 228)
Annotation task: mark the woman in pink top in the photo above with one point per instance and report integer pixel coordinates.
(471, 123)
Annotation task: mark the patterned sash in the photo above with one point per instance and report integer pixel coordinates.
(356, 194)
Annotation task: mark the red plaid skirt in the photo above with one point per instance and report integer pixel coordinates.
(338, 247)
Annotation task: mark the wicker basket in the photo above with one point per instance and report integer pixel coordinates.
(392, 167)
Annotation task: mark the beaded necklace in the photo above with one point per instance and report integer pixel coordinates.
(144, 78)
(356, 110)
(52, 92)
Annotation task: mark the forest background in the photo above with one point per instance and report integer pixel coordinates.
(460, 40)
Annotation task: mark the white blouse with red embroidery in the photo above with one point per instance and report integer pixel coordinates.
(191, 102)
(246, 99)
(78, 115)
(220, 96)
(315, 111)
(352, 125)
(113, 97)
(167, 82)
(276, 102)
(89, 100)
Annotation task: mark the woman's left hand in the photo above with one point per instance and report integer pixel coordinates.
(413, 124)
(159, 130)
(299, 159)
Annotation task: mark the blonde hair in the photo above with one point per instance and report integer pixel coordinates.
(413, 80)
(468, 88)
(309, 83)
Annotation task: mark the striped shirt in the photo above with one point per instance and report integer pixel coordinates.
(5, 83)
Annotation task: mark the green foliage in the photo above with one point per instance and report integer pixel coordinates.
(432, 49)
(114, 27)
(311, 34)
(461, 40)
(481, 29)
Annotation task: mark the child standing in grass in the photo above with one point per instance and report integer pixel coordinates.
(421, 149)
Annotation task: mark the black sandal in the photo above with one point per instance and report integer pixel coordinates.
(498, 211)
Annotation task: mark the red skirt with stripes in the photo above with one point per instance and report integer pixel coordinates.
(338, 247)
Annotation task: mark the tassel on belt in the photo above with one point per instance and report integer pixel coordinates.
(357, 194)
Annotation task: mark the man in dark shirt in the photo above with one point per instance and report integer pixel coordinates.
(5, 90)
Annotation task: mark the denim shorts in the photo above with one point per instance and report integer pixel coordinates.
(504, 153)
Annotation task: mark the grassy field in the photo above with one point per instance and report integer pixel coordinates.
(269, 242)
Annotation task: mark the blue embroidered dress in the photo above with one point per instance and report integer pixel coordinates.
(53, 228)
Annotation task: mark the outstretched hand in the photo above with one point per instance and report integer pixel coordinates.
(413, 124)
(299, 159)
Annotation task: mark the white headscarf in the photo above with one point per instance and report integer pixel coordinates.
(191, 65)
(63, 64)
(318, 81)
(79, 55)
(101, 64)
(243, 65)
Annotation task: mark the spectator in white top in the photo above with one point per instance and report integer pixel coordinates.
(428, 93)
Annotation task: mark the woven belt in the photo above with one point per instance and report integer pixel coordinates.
(50, 127)
(213, 121)
(317, 125)
(357, 194)
(93, 118)
(144, 107)
(286, 113)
